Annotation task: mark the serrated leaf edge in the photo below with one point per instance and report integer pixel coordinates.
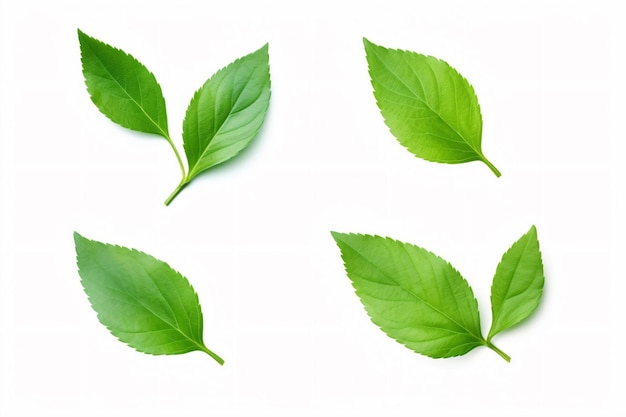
(163, 133)
(199, 346)
(479, 153)
(481, 341)
(192, 171)
(490, 336)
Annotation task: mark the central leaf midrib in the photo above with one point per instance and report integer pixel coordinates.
(508, 287)
(418, 297)
(182, 303)
(218, 130)
(149, 310)
(401, 326)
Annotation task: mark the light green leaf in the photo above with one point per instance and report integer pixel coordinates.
(517, 285)
(141, 300)
(414, 296)
(428, 106)
(122, 88)
(226, 113)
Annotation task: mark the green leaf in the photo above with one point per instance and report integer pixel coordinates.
(122, 88)
(428, 106)
(226, 113)
(414, 296)
(517, 285)
(141, 300)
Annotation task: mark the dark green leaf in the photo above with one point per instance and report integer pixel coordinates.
(122, 88)
(140, 299)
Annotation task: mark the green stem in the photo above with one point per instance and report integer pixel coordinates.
(213, 355)
(183, 183)
(491, 166)
(180, 161)
(498, 351)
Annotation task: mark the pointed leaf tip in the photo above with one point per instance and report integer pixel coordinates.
(370, 46)
(78, 238)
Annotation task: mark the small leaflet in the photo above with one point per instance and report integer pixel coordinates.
(429, 107)
(140, 299)
(517, 285)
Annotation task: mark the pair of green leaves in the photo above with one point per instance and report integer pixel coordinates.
(141, 300)
(429, 107)
(223, 117)
(420, 300)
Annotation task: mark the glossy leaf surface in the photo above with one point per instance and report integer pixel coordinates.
(414, 296)
(518, 284)
(227, 112)
(141, 300)
(122, 88)
(428, 106)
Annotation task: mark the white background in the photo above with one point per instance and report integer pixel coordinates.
(253, 235)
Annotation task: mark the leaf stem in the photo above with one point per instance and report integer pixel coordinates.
(212, 354)
(491, 166)
(183, 183)
(498, 351)
(180, 161)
